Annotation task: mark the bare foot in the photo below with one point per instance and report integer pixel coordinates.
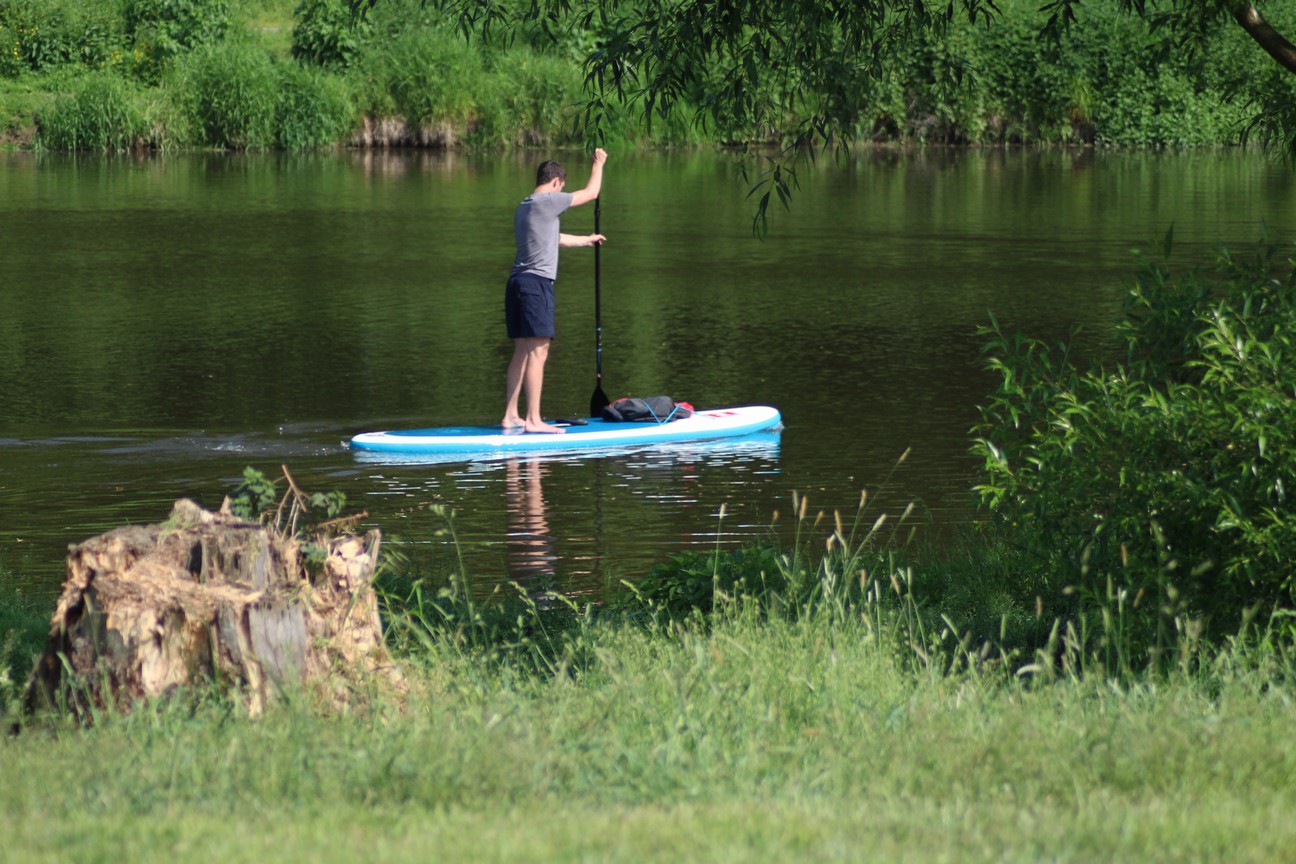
(512, 422)
(544, 427)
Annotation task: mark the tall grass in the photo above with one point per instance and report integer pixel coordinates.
(234, 96)
(228, 93)
(984, 608)
(534, 98)
(313, 108)
(102, 112)
(24, 628)
(748, 734)
(427, 77)
(811, 700)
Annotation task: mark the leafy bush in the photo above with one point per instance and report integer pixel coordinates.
(255, 494)
(24, 628)
(257, 498)
(1160, 483)
(103, 112)
(11, 60)
(43, 34)
(1109, 79)
(326, 33)
(164, 29)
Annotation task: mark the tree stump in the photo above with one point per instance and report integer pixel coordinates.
(148, 610)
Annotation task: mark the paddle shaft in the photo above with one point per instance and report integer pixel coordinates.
(599, 399)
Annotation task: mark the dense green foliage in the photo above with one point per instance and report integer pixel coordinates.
(558, 73)
(1159, 483)
(806, 70)
(164, 29)
(38, 35)
(327, 34)
(1106, 80)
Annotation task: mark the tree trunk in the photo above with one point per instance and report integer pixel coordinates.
(147, 610)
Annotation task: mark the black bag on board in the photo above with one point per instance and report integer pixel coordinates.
(653, 409)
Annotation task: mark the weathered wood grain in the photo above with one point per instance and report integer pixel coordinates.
(208, 597)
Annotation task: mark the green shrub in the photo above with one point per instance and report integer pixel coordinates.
(326, 33)
(390, 18)
(164, 29)
(1153, 91)
(11, 60)
(43, 34)
(103, 112)
(1158, 484)
(1109, 78)
(228, 95)
(24, 628)
(313, 109)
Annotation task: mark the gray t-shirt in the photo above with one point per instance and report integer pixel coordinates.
(535, 226)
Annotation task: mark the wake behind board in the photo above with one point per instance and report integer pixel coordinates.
(596, 435)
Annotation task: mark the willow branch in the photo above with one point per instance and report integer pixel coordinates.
(1273, 42)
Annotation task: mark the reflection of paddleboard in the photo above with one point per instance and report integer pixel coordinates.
(595, 435)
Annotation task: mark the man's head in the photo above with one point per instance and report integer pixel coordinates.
(550, 171)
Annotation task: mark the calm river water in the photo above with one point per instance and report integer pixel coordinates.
(167, 322)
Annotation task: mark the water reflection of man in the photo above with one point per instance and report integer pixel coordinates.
(530, 549)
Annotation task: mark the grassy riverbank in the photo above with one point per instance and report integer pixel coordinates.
(802, 716)
(823, 702)
(822, 739)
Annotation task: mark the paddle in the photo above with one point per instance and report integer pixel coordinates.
(599, 400)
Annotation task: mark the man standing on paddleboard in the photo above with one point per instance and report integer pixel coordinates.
(529, 296)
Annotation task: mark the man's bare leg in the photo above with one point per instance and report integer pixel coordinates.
(513, 388)
(526, 376)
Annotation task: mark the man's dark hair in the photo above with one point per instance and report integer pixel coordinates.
(548, 171)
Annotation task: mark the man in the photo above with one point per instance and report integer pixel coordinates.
(529, 297)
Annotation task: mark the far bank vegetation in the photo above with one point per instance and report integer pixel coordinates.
(117, 75)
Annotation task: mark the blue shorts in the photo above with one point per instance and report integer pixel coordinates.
(529, 306)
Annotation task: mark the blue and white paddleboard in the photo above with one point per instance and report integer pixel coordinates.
(597, 434)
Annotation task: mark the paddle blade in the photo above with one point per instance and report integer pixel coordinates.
(598, 401)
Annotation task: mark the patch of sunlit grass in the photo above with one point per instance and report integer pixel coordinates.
(268, 22)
